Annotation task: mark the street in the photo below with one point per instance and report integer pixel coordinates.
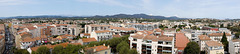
(9, 41)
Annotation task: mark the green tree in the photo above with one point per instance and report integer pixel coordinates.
(57, 49)
(43, 50)
(124, 50)
(133, 51)
(237, 35)
(192, 48)
(224, 42)
(122, 44)
(21, 51)
(72, 49)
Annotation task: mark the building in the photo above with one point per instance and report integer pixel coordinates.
(218, 36)
(86, 41)
(101, 35)
(102, 49)
(142, 26)
(122, 30)
(2, 44)
(202, 40)
(150, 44)
(234, 46)
(181, 42)
(94, 27)
(214, 47)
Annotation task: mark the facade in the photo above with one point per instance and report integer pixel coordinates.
(101, 35)
(218, 36)
(202, 41)
(122, 30)
(214, 47)
(94, 27)
(234, 46)
(150, 44)
(142, 26)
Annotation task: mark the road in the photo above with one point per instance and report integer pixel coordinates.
(9, 41)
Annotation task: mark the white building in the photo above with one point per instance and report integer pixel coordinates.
(218, 36)
(202, 40)
(234, 46)
(101, 35)
(142, 26)
(214, 47)
(150, 44)
(94, 27)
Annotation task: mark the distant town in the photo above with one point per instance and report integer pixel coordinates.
(119, 36)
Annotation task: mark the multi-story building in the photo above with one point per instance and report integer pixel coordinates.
(202, 40)
(142, 26)
(218, 36)
(2, 44)
(101, 35)
(150, 44)
(234, 46)
(214, 47)
(122, 30)
(94, 27)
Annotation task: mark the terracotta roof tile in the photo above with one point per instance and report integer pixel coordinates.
(204, 37)
(28, 39)
(88, 39)
(181, 41)
(31, 28)
(122, 28)
(103, 31)
(98, 48)
(213, 43)
(219, 34)
(116, 36)
(236, 40)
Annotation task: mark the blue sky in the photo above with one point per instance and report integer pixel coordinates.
(181, 8)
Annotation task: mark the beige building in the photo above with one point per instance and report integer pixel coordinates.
(234, 46)
(202, 41)
(94, 27)
(218, 36)
(214, 47)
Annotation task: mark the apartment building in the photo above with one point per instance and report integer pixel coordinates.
(169, 31)
(150, 44)
(86, 41)
(62, 29)
(218, 36)
(142, 26)
(202, 41)
(2, 29)
(94, 27)
(2, 44)
(234, 46)
(101, 35)
(27, 42)
(214, 47)
(122, 30)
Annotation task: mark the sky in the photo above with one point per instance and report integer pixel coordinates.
(220, 9)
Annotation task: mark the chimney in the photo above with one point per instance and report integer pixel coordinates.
(104, 45)
(94, 50)
(108, 46)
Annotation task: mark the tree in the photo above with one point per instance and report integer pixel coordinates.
(72, 49)
(124, 50)
(43, 50)
(237, 35)
(57, 49)
(133, 51)
(21, 51)
(192, 48)
(122, 44)
(224, 42)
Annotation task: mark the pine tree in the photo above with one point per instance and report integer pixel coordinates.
(224, 42)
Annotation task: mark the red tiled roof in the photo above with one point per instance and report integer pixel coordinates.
(219, 34)
(181, 41)
(88, 39)
(103, 31)
(204, 37)
(98, 48)
(213, 43)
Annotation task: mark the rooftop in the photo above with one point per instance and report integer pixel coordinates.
(181, 41)
(204, 37)
(213, 43)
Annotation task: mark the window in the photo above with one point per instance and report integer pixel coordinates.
(134, 39)
(168, 42)
(149, 41)
(105, 52)
(160, 42)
